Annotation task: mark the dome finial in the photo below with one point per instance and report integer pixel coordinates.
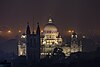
(50, 20)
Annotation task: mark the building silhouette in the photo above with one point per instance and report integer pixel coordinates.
(29, 46)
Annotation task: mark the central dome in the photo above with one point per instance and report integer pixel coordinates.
(50, 27)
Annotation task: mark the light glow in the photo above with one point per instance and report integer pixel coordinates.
(19, 31)
(9, 31)
(50, 20)
(0, 31)
(23, 36)
(41, 31)
(70, 31)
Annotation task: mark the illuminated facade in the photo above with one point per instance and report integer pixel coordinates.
(22, 50)
(50, 35)
(22, 46)
(76, 45)
(51, 39)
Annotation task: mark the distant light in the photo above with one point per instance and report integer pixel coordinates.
(23, 36)
(50, 20)
(69, 31)
(34, 31)
(19, 31)
(72, 30)
(83, 36)
(9, 31)
(41, 31)
(0, 31)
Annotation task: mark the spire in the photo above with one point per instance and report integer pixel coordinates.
(50, 20)
(38, 45)
(38, 29)
(28, 29)
(33, 26)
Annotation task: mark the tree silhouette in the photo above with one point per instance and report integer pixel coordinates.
(58, 56)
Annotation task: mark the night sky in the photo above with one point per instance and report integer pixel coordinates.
(81, 15)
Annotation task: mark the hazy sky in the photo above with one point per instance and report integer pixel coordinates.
(81, 15)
